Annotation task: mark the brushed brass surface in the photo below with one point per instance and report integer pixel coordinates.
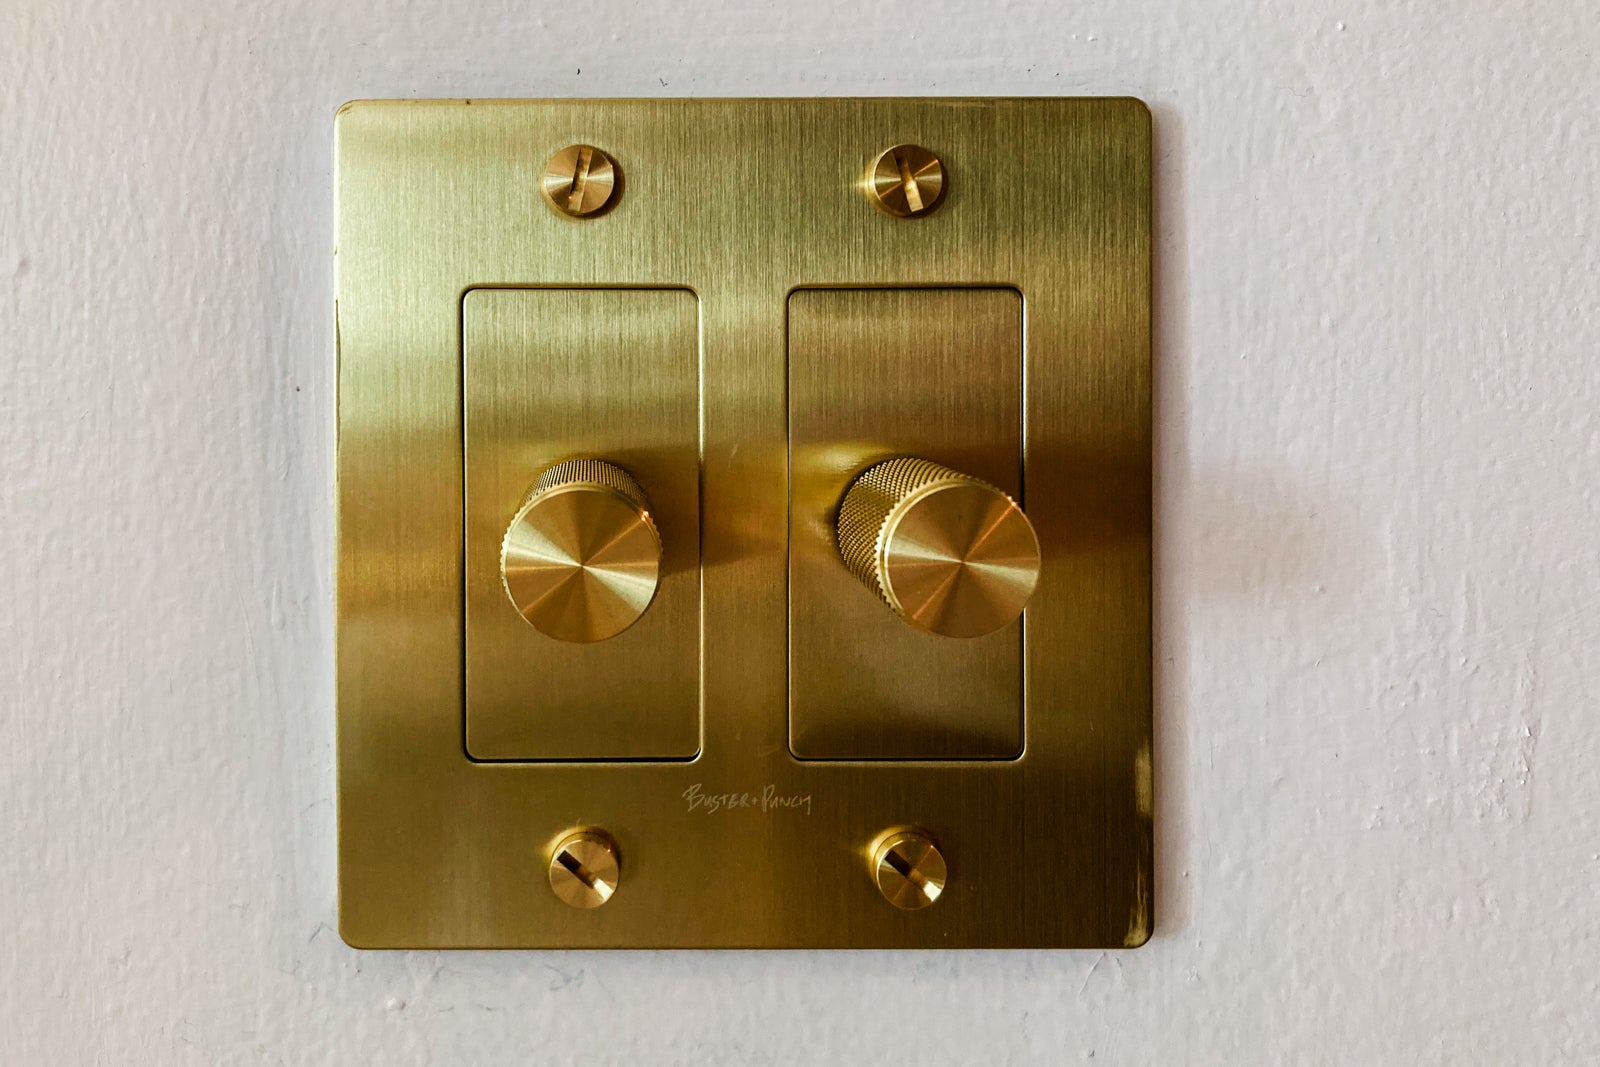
(908, 869)
(947, 552)
(550, 377)
(906, 181)
(584, 870)
(581, 559)
(449, 264)
(874, 375)
(580, 180)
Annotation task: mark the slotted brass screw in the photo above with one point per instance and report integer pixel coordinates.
(906, 181)
(909, 870)
(584, 870)
(580, 180)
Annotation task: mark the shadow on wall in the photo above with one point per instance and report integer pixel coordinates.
(1170, 452)
(1224, 538)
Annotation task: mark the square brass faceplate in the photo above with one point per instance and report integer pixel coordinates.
(747, 328)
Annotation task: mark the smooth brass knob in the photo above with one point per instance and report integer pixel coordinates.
(949, 553)
(581, 560)
(909, 870)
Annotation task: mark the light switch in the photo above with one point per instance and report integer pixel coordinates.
(572, 655)
(877, 374)
(744, 523)
(581, 561)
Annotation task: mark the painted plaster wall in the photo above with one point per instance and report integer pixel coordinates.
(1378, 757)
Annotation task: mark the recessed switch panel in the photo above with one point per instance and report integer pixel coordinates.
(582, 526)
(875, 375)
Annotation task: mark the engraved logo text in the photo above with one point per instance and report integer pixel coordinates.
(766, 801)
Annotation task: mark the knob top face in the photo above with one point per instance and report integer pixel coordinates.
(959, 559)
(582, 559)
(949, 553)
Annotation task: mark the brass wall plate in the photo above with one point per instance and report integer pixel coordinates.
(738, 821)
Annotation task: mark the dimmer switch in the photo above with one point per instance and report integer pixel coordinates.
(582, 559)
(581, 460)
(744, 523)
(948, 553)
(874, 375)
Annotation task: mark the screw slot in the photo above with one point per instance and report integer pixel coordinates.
(909, 869)
(584, 871)
(906, 181)
(580, 181)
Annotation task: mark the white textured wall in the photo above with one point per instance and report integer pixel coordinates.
(1378, 735)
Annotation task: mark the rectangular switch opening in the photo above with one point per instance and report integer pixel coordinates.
(874, 374)
(550, 375)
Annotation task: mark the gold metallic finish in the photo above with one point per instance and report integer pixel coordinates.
(947, 552)
(906, 181)
(909, 870)
(874, 375)
(581, 559)
(552, 377)
(580, 180)
(714, 335)
(584, 871)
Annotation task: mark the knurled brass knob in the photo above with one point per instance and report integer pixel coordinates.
(948, 552)
(581, 560)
